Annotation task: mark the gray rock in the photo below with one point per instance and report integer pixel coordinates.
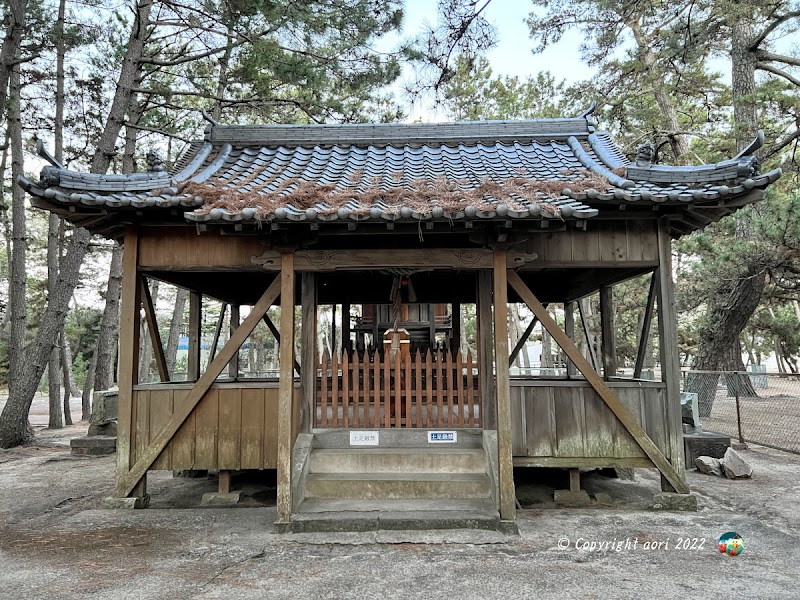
(673, 501)
(603, 498)
(734, 466)
(570, 498)
(708, 465)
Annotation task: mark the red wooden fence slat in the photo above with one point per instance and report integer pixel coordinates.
(324, 390)
(470, 392)
(335, 388)
(460, 387)
(420, 402)
(355, 368)
(345, 388)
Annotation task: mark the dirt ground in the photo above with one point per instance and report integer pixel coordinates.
(57, 542)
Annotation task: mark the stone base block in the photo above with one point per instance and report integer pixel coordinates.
(217, 499)
(569, 498)
(127, 503)
(673, 501)
(106, 427)
(704, 444)
(96, 445)
(603, 498)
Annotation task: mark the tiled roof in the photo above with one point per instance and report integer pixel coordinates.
(554, 168)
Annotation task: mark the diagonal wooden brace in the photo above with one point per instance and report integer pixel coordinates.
(127, 481)
(613, 403)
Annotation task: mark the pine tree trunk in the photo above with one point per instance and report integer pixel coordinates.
(105, 372)
(69, 384)
(56, 420)
(175, 327)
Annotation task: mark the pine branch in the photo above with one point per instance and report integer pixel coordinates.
(772, 27)
(780, 73)
(766, 55)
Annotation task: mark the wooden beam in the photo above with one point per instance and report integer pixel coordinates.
(127, 480)
(286, 390)
(308, 348)
(644, 334)
(274, 330)
(195, 332)
(521, 341)
(588, 335)
(574, 480)
(569, 329)
(613, 403)
(361, 259)
(152, 327)
(608, 339)
(233, 366)
(670, 367)
(129, 328)
(485, 345)
(217, 331)
(505, 456)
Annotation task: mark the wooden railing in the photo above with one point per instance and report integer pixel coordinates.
(382, 390)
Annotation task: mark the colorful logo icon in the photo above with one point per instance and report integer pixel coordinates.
(730, 543)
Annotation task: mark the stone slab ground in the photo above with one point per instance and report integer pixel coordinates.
(56, 540)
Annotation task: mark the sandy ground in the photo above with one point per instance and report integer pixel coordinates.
(57, 542)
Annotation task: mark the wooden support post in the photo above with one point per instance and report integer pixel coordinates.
(346, 326)
(155, 334)
(609, 398)
(574, 480)
(608, 339)
(286, 390)
(195, 332)
(670, 366)
(505, 457)
(521, 341)
(271, 326)
(224, 482)
(588, 335)
(217, 332)
(644, 335)
(308, 349)
(485, 345)
(233, 366)
(569, 329)
(334, 347)
(377, 343)
(128, 480)
(128, 352)
(455, 335)
(432, 324)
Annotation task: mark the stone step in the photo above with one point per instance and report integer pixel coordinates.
(389, 486)
(319, 515)
(398, 460)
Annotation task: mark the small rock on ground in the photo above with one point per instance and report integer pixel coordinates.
(708, 465)
(734, 466)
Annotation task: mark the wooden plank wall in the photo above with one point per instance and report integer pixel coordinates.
(231, 428)
(568, 420)
(603, 243)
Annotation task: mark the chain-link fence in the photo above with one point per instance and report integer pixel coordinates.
(763, 408)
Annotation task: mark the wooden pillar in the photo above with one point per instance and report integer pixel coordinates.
(432, 324)
(346, 326)
(224, 482)
(505, 457)
(569, 329)
(308, 349)
(456, 323)
(286, 390)
(668, 345)
(195, 331)
(334, 347)
(608, 338)
(485, 345)
(233, 366)
(129, 356)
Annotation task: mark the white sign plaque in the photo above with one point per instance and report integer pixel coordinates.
(442, 437)
(363, 438)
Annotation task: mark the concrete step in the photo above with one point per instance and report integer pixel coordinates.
(318, 515)
(398, 460)
(389, 486)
